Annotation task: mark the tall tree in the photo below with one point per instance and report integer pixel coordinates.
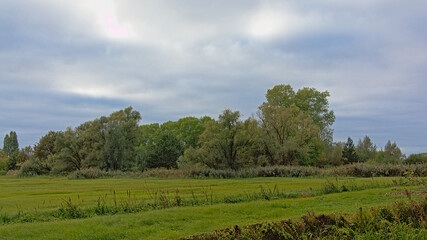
(68, 147)
(162, 150)
(366, 150)
(225, 143)
(187, 130)
(10, 143)
(310, 101)
(349, 152)
(91, 137)
(392, 152)
(121, 139)
(44, 151)
(11, 147)
(3, 160)
(289, 135)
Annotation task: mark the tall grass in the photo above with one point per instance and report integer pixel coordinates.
(405, 219)
(111, 204)
(351, 170)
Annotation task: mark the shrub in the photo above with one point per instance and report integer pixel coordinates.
(31, 167)
(416, 158)
(92, 173)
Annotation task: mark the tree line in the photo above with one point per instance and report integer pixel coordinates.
(290, 128)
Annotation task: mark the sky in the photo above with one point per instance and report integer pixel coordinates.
(63, 63)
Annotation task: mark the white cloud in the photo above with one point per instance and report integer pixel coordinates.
(200, 57)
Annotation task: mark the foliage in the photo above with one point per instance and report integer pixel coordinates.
(416, 158)
(68, 155)
(12, 161)
(392, 153)
(334, 154)
(121, 139)
(310, 101)
(10, 143)
(402, 219)
(44, 152)
(187, 130)
(3, 162)
(292, 128)
(366, 150)
(162, 150)
(32, 167)
(11, 148)
(349, 154)
(289, 136)
(228, 142)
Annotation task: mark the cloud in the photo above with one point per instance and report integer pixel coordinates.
(174, 59)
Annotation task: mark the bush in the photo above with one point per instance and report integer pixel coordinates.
(416, 158)
(93, 173)
(31, 167)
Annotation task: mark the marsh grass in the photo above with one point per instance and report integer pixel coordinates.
(128, 202)
(404, 219)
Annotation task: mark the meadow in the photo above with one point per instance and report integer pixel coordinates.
(159, 208)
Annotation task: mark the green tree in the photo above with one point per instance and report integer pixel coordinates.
(162, 150)
(310, 101)
(391, 153)
(349, 154)
(226, 143)
(366, 150)
(417, 158)
(44, 152)
(334, 154)
(25, 154)
(91, 139)
(68, 148)
(289, 135)
(3, 161)
(10, 143)
(187, 130)
(11, 148)
(121, 139)
(147, 133)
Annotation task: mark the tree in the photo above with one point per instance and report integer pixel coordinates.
(3, 161)
(366, 150)
(10, 143)
(11, 148)
(289, 135)
(334, 154)
(349, 154)
(25, 155)
(121, 139)
(91, 137)
(163, 150)
(417, 158)
(225, 143)
(187, 130)
(44, 152)
(68, 148)
(310, 101)
(391, 153)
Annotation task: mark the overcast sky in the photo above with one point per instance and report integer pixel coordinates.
(66, 62)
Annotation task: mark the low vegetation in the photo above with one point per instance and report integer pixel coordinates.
(159, 208)
(405, 219)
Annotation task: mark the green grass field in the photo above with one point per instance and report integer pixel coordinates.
(220, 203)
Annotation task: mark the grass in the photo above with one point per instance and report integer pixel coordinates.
(49, 193)
(185, 221)
(43, 194)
